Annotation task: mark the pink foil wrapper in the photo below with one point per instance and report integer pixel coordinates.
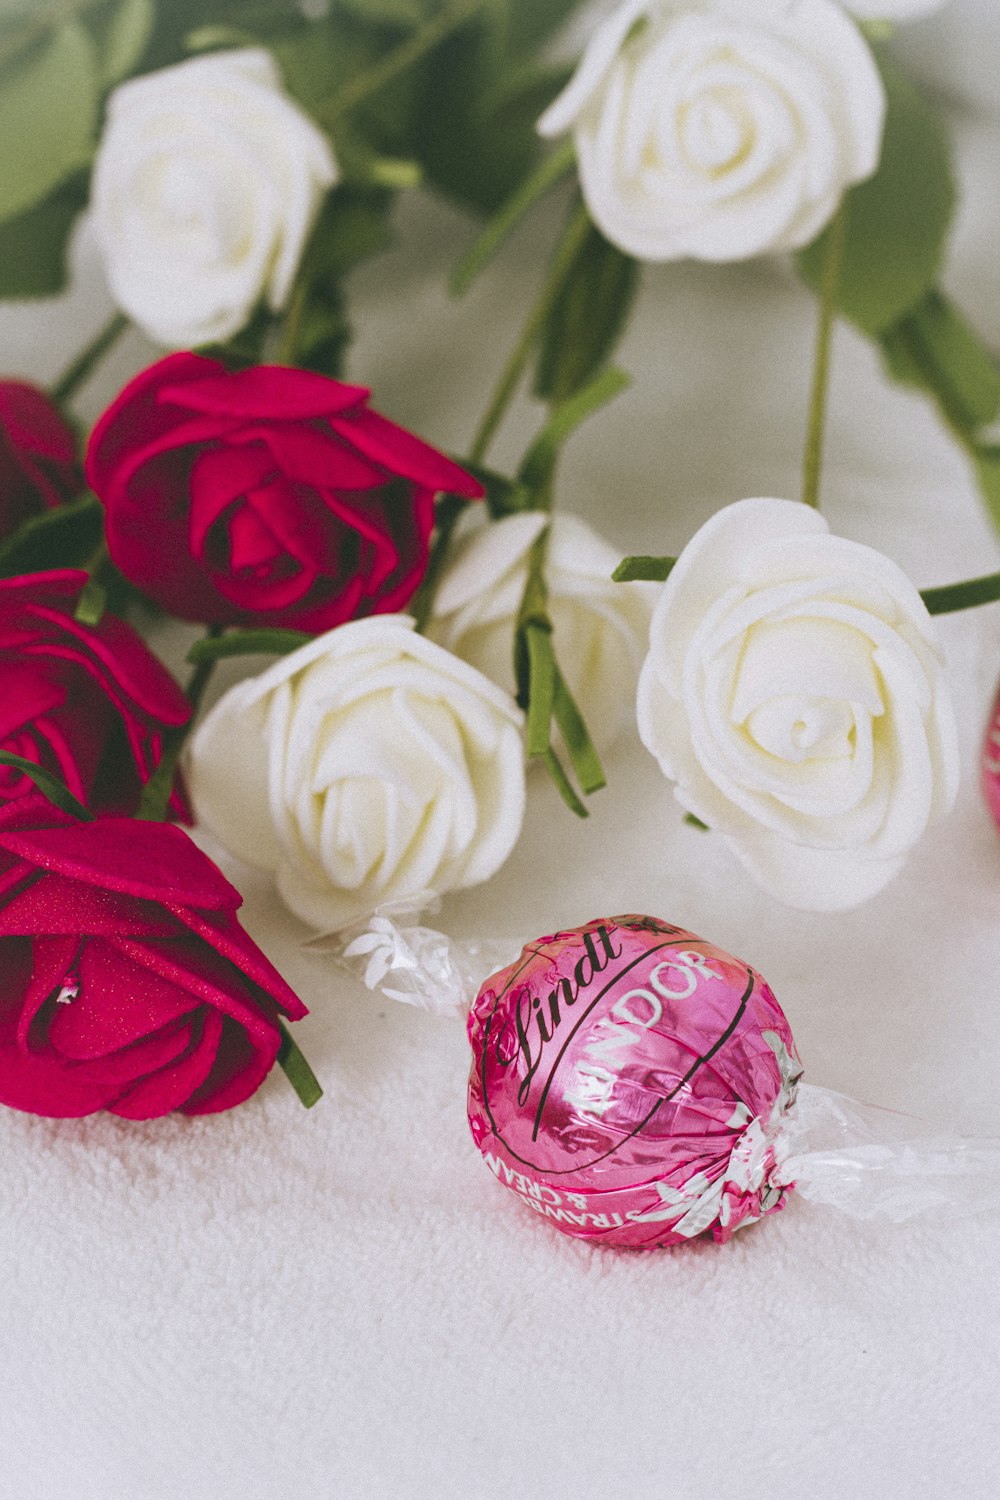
(628, 1084)
(990, 770)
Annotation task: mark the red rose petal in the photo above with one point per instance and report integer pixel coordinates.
(119, 1002)
(51, 904)
(319, 458)
(400, 452)
(221, 477)
(155, 861)
(238, 1071)
(275, 393)
(172, 1087)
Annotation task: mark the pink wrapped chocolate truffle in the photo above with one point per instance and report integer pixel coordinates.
(628, 1084)
(990, 770)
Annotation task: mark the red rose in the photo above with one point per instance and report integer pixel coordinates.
(126, 981)
(89, 703)
(38, 464)
(266, 496)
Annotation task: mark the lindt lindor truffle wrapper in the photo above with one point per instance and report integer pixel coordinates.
(628, 1081)
(635, 1086)
(990, 765)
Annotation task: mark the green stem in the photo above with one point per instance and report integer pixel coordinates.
(449, 19)
(449, 508)
(76, 374)
(813, 460)
(966, 595)
(566, 253)
(159, 788)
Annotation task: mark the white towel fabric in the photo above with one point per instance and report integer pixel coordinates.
(273, 1304)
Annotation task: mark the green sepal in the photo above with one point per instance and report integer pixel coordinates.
(563, 785)
(64, 537)
(897, 221)
(267, 642)
(969, 594)
(57, 791)
(92, 603)
(542, 680)
(582, 753)
(292, 1062)
(643, 569)
(586, 318)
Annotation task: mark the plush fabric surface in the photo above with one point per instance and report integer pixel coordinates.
(271, 1304)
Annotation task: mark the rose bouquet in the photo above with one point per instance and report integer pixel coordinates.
(432, 623)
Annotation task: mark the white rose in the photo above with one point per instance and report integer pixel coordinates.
(721, 129)
(600, 627)
(794, 691)
(207, 181)
(368, 766)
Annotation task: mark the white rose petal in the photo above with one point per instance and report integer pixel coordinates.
(891, 10)
(794, 692)
(369, 766)
(721, 129)
(600, 627)
(207, 181)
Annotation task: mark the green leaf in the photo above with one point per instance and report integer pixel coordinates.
(48, 117)
(215, 38)
(56, 791)
(34, 246)
(936, 350)
(586, 319)
(551, 170)
(64, 537)
(292, 1062)
(530, 22)
(649, 569)
(402, 15)
(968, 594)
(474, 156)
(122, 31)
(898, 221)
(352, 226)
(694, 822)
(536, 468)
(272, 642)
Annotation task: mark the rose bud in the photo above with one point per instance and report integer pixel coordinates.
(127, 982)
(267, 496)
(38, 463)
(90, 703)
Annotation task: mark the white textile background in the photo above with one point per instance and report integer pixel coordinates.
(344, 1304)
